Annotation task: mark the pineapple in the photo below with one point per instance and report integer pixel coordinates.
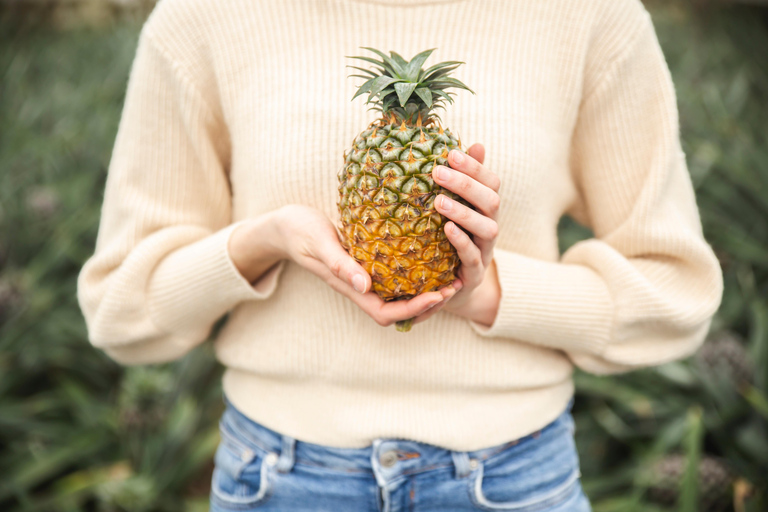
(725, 355)
(388, 221)
(715, 482)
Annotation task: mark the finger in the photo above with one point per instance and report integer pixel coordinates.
(434, 302)
(390, 312)
(486, 249)
(385, 313)
(472, 270)
(484, 198)
(347, 277)
(429, 313)
(343, 266)
(473, 168)
(448, 293)
(477, 151)
(474, 222)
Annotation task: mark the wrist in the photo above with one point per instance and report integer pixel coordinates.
(488, 298)
(481, 304)
(256, 245)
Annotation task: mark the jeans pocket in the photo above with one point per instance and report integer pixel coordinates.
(536, 476)
(242, 477)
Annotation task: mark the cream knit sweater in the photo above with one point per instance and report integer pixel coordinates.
(237, 107)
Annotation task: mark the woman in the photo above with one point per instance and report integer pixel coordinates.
(221, 197)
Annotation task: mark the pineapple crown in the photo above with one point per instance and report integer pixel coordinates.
(404, 89)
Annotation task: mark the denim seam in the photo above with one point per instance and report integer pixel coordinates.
(553, 498)
(237, 433)
(245, 502)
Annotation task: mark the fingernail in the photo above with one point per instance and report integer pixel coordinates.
(457, 156)
(445, 203)
(358, 283)
(441, 173)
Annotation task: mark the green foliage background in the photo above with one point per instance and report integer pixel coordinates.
(78, 432)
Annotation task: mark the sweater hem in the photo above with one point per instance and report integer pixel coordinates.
(347, 416)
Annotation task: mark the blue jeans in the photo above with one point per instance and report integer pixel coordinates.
(261, 470)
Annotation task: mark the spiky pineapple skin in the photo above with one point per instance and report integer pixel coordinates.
(388, 221)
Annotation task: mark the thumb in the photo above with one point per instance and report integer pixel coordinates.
(344, 266)
(477, 151)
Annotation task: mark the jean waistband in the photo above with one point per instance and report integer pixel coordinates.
(409, 456)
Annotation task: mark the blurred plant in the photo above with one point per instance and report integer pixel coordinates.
(76, 430)
(69, 14)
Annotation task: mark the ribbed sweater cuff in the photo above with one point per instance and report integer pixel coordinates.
(557, 305)
(199, 283)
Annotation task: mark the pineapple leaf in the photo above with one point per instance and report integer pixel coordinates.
(387, 68)
(380, 83)
(425, 94)
(372, 73)
(442, 95)
(386, 104)
(440, 72)
(442, 65)
(412, 72)
(404, 91)
(364, 88)
(399, 59)
(382, 94)
(398, 70)
(390, 84)
(452, 82)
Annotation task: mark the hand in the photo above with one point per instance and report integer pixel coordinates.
(479, 298)
(307, 237)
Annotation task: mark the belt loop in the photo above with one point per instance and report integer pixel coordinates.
(461, 461)
(287, 455)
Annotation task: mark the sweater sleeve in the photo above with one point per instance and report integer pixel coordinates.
(642, 291)
(161, 274)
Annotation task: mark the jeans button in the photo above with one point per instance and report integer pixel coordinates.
(388, 459)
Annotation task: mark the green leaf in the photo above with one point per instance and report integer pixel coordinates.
(442, 95)
(368, 71)
(389, 69)
(440, 72)
(442, 65)
(452, 82)
(689, 491)
(412, 72)
(757, 400)
(382, 94)
(380, 83)
(425, 94)
(404, 91)
(399, 71)
(366, 87)
(386, 104)
(399, 59)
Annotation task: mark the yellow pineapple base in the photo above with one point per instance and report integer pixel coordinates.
(386, 203)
